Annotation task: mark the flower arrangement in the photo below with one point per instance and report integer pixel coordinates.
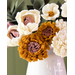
(34, 29)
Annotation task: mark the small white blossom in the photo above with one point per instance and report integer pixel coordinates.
(50, 11)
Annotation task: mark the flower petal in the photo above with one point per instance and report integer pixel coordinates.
(50, 7)
(37, 15)
(32, 26)
(28, 27)
(46, 17)
(46, 9)
(64, 10)
(13, 41)
(27, 32)
(18, 16)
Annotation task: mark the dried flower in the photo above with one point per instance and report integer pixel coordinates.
(47, 31)
(33, 47)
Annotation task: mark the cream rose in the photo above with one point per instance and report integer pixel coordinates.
(28, 21)
(50, 11)
(64, 10)
(13, 36)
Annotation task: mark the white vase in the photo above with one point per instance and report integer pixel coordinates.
(52, 65)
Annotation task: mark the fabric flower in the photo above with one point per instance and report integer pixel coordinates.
(47, 31)
(50, 11)
(64, 10)
(59, 43)
(33, 47)
(28, 21)
(13, 36)
(61, 24)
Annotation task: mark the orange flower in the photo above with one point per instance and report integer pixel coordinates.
(47, 31)
(33, 47)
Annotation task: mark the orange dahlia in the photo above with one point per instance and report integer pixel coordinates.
(33, 47)
(48, 30)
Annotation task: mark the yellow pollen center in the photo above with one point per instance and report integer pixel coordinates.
(51, 13)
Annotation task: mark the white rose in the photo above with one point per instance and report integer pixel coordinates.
(50, 11)
(13, 36)
(28, 21)
(64, 10)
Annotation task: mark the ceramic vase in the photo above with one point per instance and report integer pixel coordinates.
(52, 65)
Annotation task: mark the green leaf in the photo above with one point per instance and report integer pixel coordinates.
(38, 4)
(19, 8)
(32, 1)
(8, 17)
(59, 4)
(9, 4)
(12, 7)
(65, 61)
(42, 21)
(8, 20)
(16, 4)
(30, 7)
(11, 20)
(8, 13)
(46, 1)
(41, 7)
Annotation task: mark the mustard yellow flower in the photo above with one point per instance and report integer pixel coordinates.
(33, 47)
(47, 31)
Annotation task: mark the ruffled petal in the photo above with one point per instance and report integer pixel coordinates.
(32, 26)
(46, 9)
(46, 17)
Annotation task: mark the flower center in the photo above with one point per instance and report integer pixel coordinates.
(33, 47)
(51, 13)
(28, 19)
(13, 34)
(48, 31)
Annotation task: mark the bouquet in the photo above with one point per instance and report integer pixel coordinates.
(34, 28)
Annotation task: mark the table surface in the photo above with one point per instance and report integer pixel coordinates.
(15, 64)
